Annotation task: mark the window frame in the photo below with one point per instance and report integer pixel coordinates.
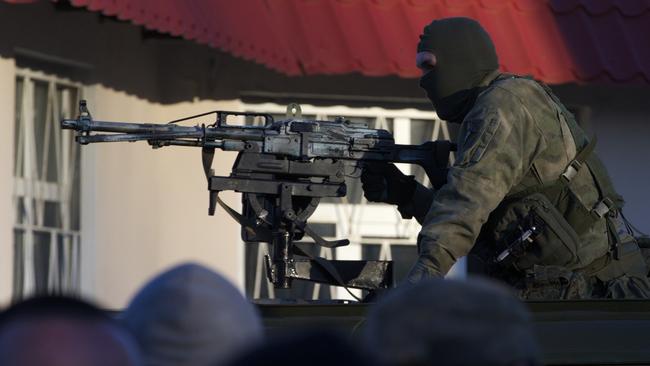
(34, 190)
(361, 223)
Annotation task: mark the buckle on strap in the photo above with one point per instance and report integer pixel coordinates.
(602, 208)
(571, 170)
(624, 249)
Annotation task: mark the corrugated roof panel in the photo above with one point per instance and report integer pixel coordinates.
(639, 27)
(363, 37)
(554, 40)
(390, 33)
(625, 8)
(606, 45)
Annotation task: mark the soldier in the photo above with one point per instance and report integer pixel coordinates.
(526, 200)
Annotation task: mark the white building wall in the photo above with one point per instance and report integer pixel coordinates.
(7, 92)
(144, 210)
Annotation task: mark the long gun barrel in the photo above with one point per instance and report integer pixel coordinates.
(283, 169)
(155, 133)
(297, 139)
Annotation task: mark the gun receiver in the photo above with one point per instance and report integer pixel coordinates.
(283, 170)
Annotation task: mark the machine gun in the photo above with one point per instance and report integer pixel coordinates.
(283, 169)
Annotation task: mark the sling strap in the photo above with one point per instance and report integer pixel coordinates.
(609, 199)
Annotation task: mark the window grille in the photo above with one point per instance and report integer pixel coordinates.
(46, 187)
(375, 231)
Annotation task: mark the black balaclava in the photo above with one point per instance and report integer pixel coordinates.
(465, 55)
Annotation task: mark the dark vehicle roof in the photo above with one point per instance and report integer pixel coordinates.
(594, 332)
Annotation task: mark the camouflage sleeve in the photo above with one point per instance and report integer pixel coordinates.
(498, 142)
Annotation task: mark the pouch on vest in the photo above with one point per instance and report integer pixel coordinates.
(554, 241)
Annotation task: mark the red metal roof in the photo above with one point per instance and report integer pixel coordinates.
(556, 41)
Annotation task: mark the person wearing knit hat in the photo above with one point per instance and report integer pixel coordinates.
(451, 323)
(526, 200)
(190, 315)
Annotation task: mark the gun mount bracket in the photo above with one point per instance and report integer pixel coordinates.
(294, 111)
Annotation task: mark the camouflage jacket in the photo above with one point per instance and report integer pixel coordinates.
(512, 139)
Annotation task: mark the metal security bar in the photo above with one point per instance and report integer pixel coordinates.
(46, 187)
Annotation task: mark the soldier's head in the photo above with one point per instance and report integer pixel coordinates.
(448, 322)
(455, 55)
(58, 331)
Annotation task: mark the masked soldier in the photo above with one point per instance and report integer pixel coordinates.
(527, 199)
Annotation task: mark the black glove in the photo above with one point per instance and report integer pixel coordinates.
(376, 295)
(383, 182)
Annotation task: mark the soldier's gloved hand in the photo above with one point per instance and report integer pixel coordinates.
(422, 269)
(376, 295)
(384, 182)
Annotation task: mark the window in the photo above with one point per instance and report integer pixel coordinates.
(46, 187)
(375, 231)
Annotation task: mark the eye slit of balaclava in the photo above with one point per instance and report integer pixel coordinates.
(465, 55)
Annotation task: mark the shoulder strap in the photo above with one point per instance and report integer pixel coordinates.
(576, 164)
(610, 199)
(564, 179)
(596, 168)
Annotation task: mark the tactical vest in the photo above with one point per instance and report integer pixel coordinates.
(540, 226)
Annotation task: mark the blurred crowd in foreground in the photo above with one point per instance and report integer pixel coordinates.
(191, 315)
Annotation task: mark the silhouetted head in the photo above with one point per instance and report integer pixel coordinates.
(314, 348)
(61, 331)
(190, 315)
(451, 323)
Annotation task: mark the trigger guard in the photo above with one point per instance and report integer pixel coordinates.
(353, 171)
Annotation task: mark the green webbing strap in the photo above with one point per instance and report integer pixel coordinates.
(576, 164)
(609, 198)
(564, 179)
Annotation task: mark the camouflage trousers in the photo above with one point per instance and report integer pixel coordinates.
(559, 283)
